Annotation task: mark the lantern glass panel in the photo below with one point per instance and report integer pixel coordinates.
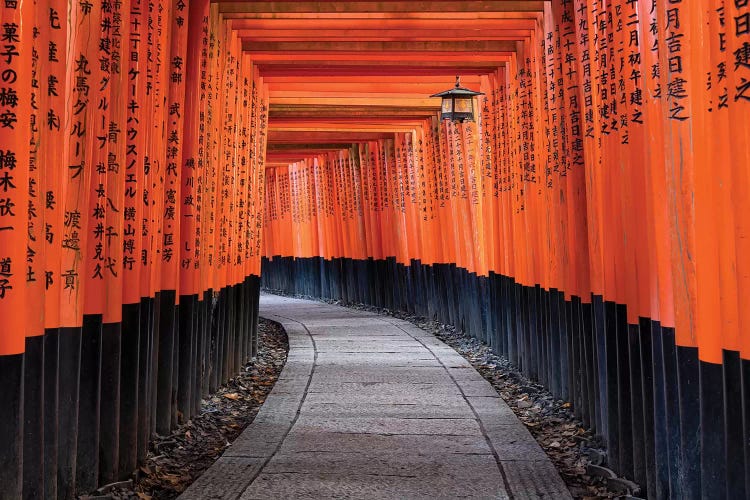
(463, 106)
(447, 105)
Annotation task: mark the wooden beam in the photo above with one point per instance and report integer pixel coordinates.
(372, 24)
(278, 95)
(403, 102)
(373, 70)
(385, 129)
(353, 17)
(397, 6)
(325, 137)
(371, 87)
(346, 122)
(277, 110)
(296, 148)
(410, 80)
(250, 36)
(314, 46)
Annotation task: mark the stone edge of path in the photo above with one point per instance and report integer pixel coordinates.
(527, 470)
(241, 463)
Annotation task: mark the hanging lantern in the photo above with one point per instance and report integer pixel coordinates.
(458, 103)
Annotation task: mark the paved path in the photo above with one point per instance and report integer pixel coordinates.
(370, 406)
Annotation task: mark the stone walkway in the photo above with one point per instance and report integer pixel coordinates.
(370, 406)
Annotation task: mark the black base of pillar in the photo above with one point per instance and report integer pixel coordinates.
(109, 403)
(51, 410)
(166, 304)
(87, 460)
(69, 361)
(129, 371)
(145, 375)
(185, 353)
(11, 430)
(33, 418)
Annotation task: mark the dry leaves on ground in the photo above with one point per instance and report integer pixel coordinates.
(175, 461)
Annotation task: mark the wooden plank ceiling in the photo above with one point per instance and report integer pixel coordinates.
(344, 72)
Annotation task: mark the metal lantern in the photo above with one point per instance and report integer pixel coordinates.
(458, 103)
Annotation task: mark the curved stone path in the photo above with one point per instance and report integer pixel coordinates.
(369, 406)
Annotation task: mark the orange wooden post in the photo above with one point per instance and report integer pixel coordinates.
(220, 236)
(676, 84)
(721, 148)
(400, 208)
(369, 158)
(114, 25)
(35, 223)
(190, 32)
(666, 430)
(148, 197)
(15, 113)
(52, 84)
(161, 193)
(488, 168)
(147, 194)
(134, 375)
(245, 168)
(78, 130)
(734, 76)
(33, 446)
(413, 269)
(359, 242)
(269, 209)
(208, 226)
(228, 193)
(98, 114)
(737, 99)
(707, 260)
(426, 199)
(171, 346)
(93, 270)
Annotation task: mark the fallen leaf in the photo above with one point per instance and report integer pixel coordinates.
(232, 395)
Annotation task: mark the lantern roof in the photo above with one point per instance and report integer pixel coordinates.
(457, 91)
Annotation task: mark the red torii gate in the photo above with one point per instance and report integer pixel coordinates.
(591, 225)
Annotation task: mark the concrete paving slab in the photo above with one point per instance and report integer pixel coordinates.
(386, 464)
(388, 425)
(371, 328)
(383, 374)
(373, 407)
(421, 357)
(346, 410)
(350, 321)
(373, 348)
(370, 486)
(327, 442)
(382, 399)
(437, 389)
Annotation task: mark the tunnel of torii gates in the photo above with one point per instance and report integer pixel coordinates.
(592, 223)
